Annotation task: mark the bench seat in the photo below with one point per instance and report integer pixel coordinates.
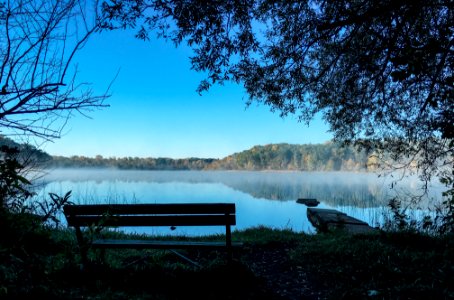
(101, 216)
(155, 244)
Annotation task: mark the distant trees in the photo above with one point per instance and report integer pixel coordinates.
(319, 157)
(129, 163)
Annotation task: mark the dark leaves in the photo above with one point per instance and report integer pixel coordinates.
(375, 70)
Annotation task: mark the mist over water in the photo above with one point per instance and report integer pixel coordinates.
(261, 198)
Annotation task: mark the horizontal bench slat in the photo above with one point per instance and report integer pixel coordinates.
(184, 208)
(143, 215)
(182, 220)
(144, 244)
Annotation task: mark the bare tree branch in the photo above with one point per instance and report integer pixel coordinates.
(41, 40)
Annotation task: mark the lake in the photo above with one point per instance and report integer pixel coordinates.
(261, 198)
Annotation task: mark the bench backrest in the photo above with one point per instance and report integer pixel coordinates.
(189, 214)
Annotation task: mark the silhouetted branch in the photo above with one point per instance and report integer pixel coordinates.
(41, 40)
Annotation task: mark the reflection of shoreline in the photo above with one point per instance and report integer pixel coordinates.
(83, 174)
(333, 188)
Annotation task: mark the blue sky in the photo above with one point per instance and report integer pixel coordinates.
(155, 111)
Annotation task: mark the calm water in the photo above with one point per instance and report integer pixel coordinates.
(261, 198)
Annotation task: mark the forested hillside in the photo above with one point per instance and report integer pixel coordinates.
(26, 153)
(319, 157)
(309, 157)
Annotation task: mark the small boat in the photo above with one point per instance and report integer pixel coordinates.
(308, 202)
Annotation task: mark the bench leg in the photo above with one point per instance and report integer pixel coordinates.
(82, 247)
(102, 255)
(228, 242)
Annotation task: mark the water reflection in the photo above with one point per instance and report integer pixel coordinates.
(333, 188)
(262, 198)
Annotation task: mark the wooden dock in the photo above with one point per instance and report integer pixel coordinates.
(329, 219)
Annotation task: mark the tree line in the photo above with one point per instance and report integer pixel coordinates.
(317, 157)
(308, 157)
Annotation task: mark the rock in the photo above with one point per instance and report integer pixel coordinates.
(308, 202)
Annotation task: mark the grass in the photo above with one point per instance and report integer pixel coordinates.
(387, 266)
(45, 263)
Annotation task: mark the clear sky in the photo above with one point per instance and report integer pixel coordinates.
(156, 112)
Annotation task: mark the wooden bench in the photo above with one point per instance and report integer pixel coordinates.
(133, 215)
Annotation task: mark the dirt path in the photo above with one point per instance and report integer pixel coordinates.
(287, 280)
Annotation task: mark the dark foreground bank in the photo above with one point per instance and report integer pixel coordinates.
(273, 264)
